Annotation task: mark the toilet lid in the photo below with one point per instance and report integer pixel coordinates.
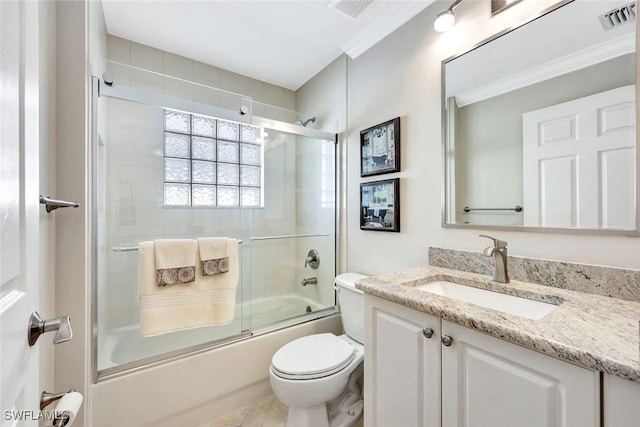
(313, 356)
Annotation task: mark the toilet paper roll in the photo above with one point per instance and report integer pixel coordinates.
(69, 404)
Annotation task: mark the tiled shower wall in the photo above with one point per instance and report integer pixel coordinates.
(138, 55)
(132, 161)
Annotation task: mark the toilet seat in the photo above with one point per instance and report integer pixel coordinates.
(313, 356)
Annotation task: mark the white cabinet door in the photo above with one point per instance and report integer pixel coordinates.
(401, 365)
(488, 382)
(621, 402)
(579, 162)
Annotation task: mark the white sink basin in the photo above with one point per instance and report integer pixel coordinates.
(522, 307)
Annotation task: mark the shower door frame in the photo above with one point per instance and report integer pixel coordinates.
(124, 93)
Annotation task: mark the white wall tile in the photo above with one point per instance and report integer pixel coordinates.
(118, 291)
(119, 49)
(149, 219)
(146, 80)
(254, 88)
(206, 74)
(176, 222)
(147, 148)
(279, 96)
(206, 223)
(231, 82)
(147, 57)
(121, 217)
(178, 66)
(117, 147)
(148, 183)
(145, 117)
(178, 88)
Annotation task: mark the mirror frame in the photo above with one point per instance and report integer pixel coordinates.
(447, 183)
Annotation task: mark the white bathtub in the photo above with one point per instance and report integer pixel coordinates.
(194, 389)
(124, 345)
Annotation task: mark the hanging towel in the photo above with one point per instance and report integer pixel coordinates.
(175, 261)
(214, 255)
(209, 300)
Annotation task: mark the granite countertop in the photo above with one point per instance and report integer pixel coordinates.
(593, 331)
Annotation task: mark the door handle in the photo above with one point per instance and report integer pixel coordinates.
(37, 327)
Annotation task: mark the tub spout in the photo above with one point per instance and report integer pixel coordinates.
(310, 281)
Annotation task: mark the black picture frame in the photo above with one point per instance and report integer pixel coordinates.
(380, 148)
(380, 205)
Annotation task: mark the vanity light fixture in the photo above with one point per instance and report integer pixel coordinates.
(446, 19)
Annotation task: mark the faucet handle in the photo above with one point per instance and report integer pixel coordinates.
(497, 243)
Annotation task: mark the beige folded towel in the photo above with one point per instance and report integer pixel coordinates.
(214, 255)
(209, 300)
(175, 261)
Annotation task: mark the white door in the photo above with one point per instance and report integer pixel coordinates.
(579, 162)
(488, 382)
(19, 211)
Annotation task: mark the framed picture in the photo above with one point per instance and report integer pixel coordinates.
(380, 205)
(380, 148)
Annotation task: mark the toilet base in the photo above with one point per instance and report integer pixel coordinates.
(343, 411)
(347, 410)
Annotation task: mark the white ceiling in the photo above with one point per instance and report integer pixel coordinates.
(281, 42)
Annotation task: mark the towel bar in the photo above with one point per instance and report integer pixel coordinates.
(135, 248)
(53, 204)
(517, 208)
(289, 236)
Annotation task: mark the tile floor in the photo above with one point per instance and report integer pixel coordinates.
(267, 412)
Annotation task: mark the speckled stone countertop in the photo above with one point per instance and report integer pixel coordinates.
(597, 332)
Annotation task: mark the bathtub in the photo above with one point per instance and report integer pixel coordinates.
(125, 345)
(199, 387)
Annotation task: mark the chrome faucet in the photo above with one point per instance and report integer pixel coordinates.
(499, 253)
(310, 281)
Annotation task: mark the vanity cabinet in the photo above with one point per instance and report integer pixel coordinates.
(621, 402)
(401, 366)
(487, 381)
(456, 376)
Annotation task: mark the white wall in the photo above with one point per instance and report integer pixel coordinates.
(401, 77)
(72, 226)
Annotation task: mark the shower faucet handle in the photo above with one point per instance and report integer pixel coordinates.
(313, 259)
(38, 326)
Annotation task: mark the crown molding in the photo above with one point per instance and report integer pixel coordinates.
(390, 16)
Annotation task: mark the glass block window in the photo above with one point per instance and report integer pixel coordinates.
(210, 162)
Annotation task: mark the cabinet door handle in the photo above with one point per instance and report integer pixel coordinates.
(447, 340)
(427, 332)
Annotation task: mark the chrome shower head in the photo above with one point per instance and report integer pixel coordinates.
(306, 122)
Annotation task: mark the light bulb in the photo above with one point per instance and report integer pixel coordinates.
(444, 21)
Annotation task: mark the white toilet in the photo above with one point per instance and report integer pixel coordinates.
(317, 376)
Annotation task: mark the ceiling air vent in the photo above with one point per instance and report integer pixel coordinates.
(618, 16)
(353, 8)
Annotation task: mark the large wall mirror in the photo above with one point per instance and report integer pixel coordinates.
(540, 124)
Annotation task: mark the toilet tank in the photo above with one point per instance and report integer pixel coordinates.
(351, 301)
